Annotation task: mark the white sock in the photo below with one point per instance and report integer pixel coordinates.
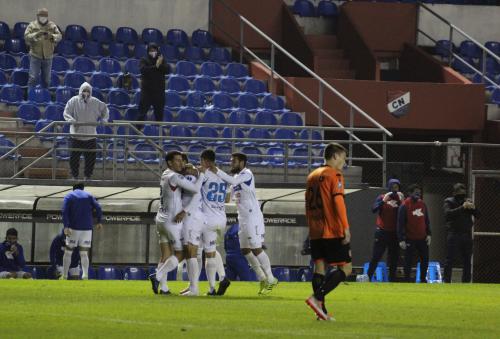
(255, 265)
(84, 259)
(192, 270)
(170, 264)
(220, 266)
(66, 262)
(199, 257)
(163, 285)
(265, 263)
(211, 268)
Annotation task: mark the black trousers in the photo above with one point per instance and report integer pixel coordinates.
(385, 239)
(458, 244)
(148, 99)
(420, 248)
(74, 160)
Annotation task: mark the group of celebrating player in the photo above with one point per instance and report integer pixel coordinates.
(192, 214)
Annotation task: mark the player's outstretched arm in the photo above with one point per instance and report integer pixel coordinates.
(236, 180)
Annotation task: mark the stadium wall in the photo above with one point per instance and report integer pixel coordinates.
(138, 14)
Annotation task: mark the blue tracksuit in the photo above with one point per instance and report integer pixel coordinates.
(57, 252)
(10, 262)
(77, 210)
(237, 265)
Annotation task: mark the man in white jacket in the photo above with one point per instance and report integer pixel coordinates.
(80, 109)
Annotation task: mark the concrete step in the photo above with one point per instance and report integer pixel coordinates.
(9, 130)
(331, 63)
(328, 52)
(337, 74)
(32, 152)
(46, 173)
(322, 41)
(7, 114)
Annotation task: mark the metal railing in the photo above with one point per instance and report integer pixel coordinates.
(452, 31)
(323, 85)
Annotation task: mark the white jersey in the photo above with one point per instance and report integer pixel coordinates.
(243, 192)
(171, 184)
(191, 202)
(213, 194)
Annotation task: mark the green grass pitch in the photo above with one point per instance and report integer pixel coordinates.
(128, 309)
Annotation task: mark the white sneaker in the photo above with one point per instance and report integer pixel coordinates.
(317, 307)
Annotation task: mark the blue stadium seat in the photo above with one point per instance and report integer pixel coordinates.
(195, 151)
(15, 46)
(327, 9)
(493, 46)
(150, 35)
(134, 273)
(469, 49)
(433, 272)
(282, 133)
(462, 67)
(229, 132)
(84, 65)
(179, 84)
(381, 273)
(304, 8)
(5, 146)
(12, 94)
(131, 114)
(140, 50)
(29, 113)
(222, 101)
(259, 133)
(180, 131)
(170, 53)
(75, 33)
(60, 64)
(495, 96)
(229, 85)
(238, 71)
(24, 63)
(102, 81)
(196, 100)
(213, 117)
(204, 132)
(19, 29)
(93, 49)
(282, 273)
(255, 86)
(4, 31)
(54, 81)
(54, 112)
(291, 119)
(96, 93)
(167, 116)
(172, 99)
(39, 95)
(240, 118)
(3, 79)
(442, 48)
(114, 114)
(101, 34)
(306, 135)
(110, 66)
(151, 130)
(265, 118)
(118, 50)
(126, 35)
(248, 102)
(304, 274)
(63, 94)
(491, 64)
(204, 84)
(132, 66)
(220, 55)
(211, 69)
(134, 82)
(74, 79)
(167, 147)
(202, 38)
(150, 155)
(66, 48)
(186, 69)
(300, 157)
(19, 77)
(254, 155)
(62, 152)
(105, 129)
(277, 156)
(41, 124)
(7, 62)
(118, 97)
(223, 153)
(177, 37)
(274, 103)
(109, 273)
(187, 115)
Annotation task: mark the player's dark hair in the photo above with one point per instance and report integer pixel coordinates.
(240, 157)
(11, 231)
(171, 154)
(208, 154)
(459, 187)
(79, 186)
(413, 187)
(333, 148)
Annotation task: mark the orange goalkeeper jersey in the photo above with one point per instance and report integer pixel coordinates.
(325, 207)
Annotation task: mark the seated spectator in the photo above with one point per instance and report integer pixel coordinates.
(237, 265)
(55, 270)
(12, 257)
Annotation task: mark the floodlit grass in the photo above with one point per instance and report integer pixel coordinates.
(118, 309)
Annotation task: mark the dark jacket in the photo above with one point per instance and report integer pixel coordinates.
(10, 262)
(458, 219)
(57, 252)
(152, 77)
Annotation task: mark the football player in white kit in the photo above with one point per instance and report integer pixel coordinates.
(213, 193)
(168, 229)
(251, 220)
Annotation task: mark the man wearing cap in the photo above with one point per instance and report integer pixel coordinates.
(41, 36)
(458, 213)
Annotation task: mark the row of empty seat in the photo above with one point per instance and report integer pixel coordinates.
(306, 8)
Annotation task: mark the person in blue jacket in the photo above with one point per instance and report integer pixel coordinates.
(57, 247)
(77, 212)
(12, 257)
(237, 265)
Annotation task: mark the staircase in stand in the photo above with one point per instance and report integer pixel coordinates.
(329, 60)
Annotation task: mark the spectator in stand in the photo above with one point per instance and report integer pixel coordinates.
(12, 257)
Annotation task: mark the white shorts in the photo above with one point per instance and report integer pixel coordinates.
(211, 231)
(193, 226)
(251, 232)
(73, 272)
(5, 274)
(79, 238)
(171, 233)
